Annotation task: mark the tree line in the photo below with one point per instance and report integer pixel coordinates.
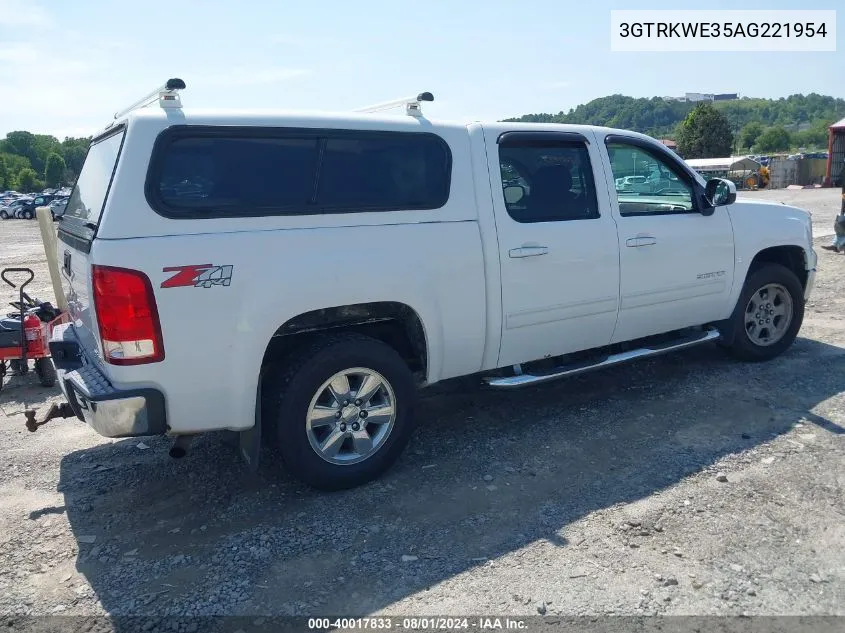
(747, 124)
(30, 162)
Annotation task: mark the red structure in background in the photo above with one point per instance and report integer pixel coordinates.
(835, 154)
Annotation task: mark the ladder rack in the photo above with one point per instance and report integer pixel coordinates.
(412, 104)
(167, 95)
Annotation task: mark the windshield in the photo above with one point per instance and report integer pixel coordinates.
(89, 194)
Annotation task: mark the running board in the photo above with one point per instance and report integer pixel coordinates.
(524, 380)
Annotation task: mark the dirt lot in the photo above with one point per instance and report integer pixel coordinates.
(596, 495)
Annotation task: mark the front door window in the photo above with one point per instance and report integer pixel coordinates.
(646, 183)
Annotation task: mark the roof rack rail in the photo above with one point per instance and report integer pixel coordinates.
(167, 95)
(412, 104)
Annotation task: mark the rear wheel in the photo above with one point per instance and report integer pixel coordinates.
(27, 215)
(46, 372)
(768, 314)
(343, 411)
(4, 214)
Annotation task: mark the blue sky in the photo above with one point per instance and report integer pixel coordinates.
(66, 66)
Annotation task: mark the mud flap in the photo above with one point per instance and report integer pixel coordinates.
(249, 440)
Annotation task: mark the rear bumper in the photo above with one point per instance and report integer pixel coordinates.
(109, 411)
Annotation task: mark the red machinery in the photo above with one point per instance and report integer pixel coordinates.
(25, 334)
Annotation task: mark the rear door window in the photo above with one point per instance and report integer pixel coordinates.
(547, 182)
(215, 172)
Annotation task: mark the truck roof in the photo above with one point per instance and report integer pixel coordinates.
(340, 119)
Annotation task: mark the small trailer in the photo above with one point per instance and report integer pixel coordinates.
(24, 335)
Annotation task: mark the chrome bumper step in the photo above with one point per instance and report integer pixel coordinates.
(525, 379)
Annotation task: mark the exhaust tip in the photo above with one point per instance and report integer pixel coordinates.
(180, 446)
(177, 452)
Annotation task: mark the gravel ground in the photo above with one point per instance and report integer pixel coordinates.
(686, 485)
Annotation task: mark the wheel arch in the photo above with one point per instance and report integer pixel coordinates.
(789, 256)
(394, 323)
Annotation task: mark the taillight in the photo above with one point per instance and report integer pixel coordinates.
(127, 315)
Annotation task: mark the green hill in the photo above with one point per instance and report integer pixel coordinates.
(805, 117)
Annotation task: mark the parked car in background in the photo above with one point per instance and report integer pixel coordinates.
(57, 207)
(632, 183)
(12, 210)
(27, 210)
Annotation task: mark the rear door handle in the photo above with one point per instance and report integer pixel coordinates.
(640, 240)
(528, 251)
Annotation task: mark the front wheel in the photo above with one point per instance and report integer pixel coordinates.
(46, 372)
(4, 215)
(27, 215)
(343, 411)
(768, 314)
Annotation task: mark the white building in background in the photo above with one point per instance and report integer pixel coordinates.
(694, 97)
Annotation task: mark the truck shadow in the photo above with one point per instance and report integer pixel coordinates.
(487, 474)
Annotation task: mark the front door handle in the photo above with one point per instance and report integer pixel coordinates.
(528, 251)
(640, 240)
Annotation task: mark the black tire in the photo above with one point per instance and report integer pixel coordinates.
(287, 396)
(27, 215)
(4, 215)
(742, 346)
(46, 372)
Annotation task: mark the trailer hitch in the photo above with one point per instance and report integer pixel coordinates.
(63, 410)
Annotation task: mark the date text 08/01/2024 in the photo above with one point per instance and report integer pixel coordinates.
(417, 624)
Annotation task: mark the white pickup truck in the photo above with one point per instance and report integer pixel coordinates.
(298, 276)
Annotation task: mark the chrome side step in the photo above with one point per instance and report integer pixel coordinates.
(524, 380)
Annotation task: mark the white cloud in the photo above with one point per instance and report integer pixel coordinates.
(49, 87)
(239, 78)
(292, 40)
(17, 53)
(22, 13)
(55, 85)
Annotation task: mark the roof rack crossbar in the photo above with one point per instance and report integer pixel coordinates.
(167, 96)
(412, 104)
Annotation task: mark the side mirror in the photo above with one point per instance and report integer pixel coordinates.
(720, 192)
(513, 194)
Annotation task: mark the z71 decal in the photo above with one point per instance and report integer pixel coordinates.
(198, 276)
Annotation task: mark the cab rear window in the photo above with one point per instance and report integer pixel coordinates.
(226, 172)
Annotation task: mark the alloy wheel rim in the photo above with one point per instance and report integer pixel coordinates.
(351, 416)
(768, 315)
